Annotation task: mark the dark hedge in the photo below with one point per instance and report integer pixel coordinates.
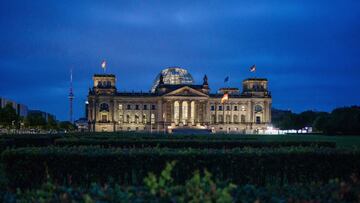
(27, 167)
(187, 143)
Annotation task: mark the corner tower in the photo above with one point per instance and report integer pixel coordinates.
(104, 84)
(256, 87)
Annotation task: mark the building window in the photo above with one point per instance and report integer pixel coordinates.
(145, 107)
(121, 118)
(104, 107)
(236, 120)
(227, 108)
(152, 118)
(258, 109)
(220, 108)
(128, 118)
(120, 107)
(258, 119)
(242, 118)
(137, 107)
(144, 119)
(136, 119)
(221, 119)
(228, 118)
(153, 107)
(104, 118)
(213, 119)
(235, 108)
(128, 107)
(212, 108)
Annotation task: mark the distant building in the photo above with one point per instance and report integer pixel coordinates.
(82, 124)
(42, 114)
(176, 103)
(21, 109)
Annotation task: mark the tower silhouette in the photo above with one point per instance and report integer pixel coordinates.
(71, 97)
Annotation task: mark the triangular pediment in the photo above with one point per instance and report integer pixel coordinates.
(186, 91)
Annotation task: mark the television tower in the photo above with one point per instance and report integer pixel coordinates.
(71, 96)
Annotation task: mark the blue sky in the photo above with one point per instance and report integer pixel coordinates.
(309, 50)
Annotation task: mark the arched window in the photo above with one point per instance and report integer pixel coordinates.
(213, 119)
(236, 119)
(221, 119)
(136, 119)
(108, 84)
(258, 109)
(99, 84)
(121, 118)
(228, 118)
(144, 119)
(104, 107)
(242, 118)
(184, 112)
(176, 112)
(128, 118)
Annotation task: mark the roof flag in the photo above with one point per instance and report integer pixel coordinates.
(103, 65)
(253, 68)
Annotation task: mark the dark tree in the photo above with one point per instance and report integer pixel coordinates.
(36, 120)
(8, 116)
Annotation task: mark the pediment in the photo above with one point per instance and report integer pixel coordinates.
(186, 91)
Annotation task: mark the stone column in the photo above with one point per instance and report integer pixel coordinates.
(216, 113)
(95, 112)
(189, 113)
(250, 112)
(172, 106)
(159, 114)
(180, 111)
(265, 110)
(207, 112)
(195, 112)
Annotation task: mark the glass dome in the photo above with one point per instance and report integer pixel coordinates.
(173, 76)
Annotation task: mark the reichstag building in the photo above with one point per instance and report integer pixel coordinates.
(176, 103)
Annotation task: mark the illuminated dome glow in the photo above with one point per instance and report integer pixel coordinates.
(173, 76)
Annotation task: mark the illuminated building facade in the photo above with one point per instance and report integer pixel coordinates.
(175, 102)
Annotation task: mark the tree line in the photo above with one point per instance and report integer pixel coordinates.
(344, 120)
(9, 119)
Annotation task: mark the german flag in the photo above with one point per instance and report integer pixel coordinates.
(224, 98)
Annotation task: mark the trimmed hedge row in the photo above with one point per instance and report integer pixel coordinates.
(187, 143)
(147, 135)
(27, 167)
(17, 141)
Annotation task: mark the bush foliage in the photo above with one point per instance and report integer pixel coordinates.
(201, 187)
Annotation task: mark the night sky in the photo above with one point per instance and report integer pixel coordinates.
(309, 50)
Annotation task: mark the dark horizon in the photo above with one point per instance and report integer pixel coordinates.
(309, 52)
